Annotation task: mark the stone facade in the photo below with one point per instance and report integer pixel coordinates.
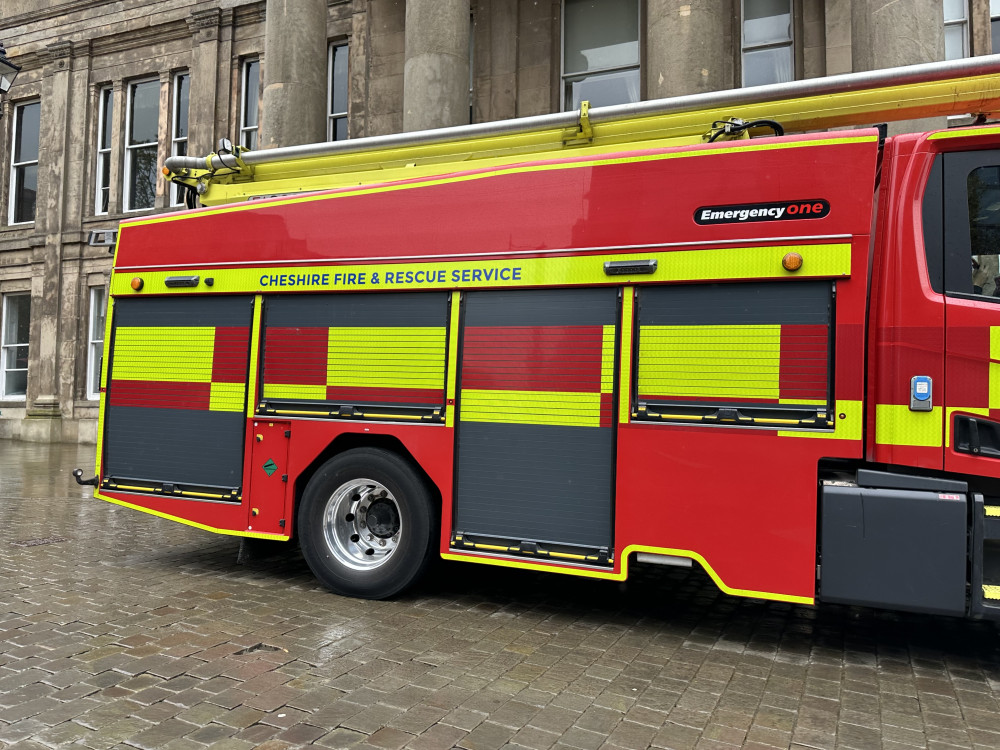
(408, 67)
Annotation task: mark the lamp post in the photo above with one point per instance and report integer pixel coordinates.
(8, 71)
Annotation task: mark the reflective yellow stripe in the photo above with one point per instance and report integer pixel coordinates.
(851, 427)
(608, 360)
(706, 264)
(164, 353)
(532, 407)
(625, 384)
(453, 340)
(295, 392)
(227, 397)
(991, 592)
(403, 357)
(187, 522)
(258, 306)
(108, 319)
(712, 361)
(896, 425)
(993, 510)
(964, 133)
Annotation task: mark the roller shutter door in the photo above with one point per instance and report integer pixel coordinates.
(535, 431)
(176, 395)
(751, 354)
(355, 355)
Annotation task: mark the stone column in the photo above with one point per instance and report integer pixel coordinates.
(43, 421)
(293, 110)
(204, 28)
(890, 34)
(689, 47)
(436, 71)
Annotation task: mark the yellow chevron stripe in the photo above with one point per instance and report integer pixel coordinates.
(403, 357)
(713, 361)
(608, 360)
(227, 397)
(532, 407)
(295, 392)
(895, 424)
(625, 389)
(164, 353)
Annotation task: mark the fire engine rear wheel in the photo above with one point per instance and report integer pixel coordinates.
(365, 524)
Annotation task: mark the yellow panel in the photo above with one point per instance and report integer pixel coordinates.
(994, 385)
(896, 425)
(608, 360)
(993, 511)
(258, 306)
(849, 428)
(707, 264)
(164, 353)
(532, 407)
(995, 342)
(715, 361)
(404, 357)
(453, 340)
(991, 592)
(625, 391)
(295, 391)
(227, 396)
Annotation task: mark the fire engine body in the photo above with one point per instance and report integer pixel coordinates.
(767, 356)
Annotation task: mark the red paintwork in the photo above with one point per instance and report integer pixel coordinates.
(544, 211)
(745, 500)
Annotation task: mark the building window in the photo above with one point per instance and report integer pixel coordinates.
(336, 76)
(956, 29)
(140, 146)
(995, 25)
(179, 128)
(767, 42)
(24, 163)
(16, 320)
(102, 196)
(248, 105)
(95, 342)
(600, 52)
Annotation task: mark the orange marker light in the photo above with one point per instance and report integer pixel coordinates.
(166, 172)
(792, 262)
(136, 284)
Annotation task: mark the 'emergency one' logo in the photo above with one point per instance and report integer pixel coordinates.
(814, 208)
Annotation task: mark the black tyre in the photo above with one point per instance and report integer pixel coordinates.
(365, 524)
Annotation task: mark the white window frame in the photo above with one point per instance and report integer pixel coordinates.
(95, 346)
(744, 47)
(177, 143)
(130, 148)
(565, 79)
(16, 165)
(102, 179)
(964, 23)
(331, 116)
(5, 346)
(994, 18)
(246, 129)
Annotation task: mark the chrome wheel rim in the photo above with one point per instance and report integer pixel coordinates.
(362, 524)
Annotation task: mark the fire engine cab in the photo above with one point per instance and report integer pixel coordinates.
(719, 330)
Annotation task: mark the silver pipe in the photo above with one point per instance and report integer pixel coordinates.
(909, 74)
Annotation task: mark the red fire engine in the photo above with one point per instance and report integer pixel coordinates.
(575, 343)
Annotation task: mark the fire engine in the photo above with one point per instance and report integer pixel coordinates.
(741, 330)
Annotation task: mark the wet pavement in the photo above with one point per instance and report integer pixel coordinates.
(122, 630)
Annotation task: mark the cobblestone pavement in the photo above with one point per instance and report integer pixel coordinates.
(121, 630)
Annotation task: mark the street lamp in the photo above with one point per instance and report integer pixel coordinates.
(8, 71)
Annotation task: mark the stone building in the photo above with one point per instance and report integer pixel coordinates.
(110, 88)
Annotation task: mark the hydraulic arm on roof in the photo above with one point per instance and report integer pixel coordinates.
(968, 86)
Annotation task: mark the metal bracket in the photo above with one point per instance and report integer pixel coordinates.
(585, 131)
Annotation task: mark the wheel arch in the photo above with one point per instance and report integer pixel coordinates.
(349, 441)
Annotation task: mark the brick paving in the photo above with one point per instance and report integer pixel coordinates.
(135, 632)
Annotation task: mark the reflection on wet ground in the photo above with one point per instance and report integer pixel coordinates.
(120, 629)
